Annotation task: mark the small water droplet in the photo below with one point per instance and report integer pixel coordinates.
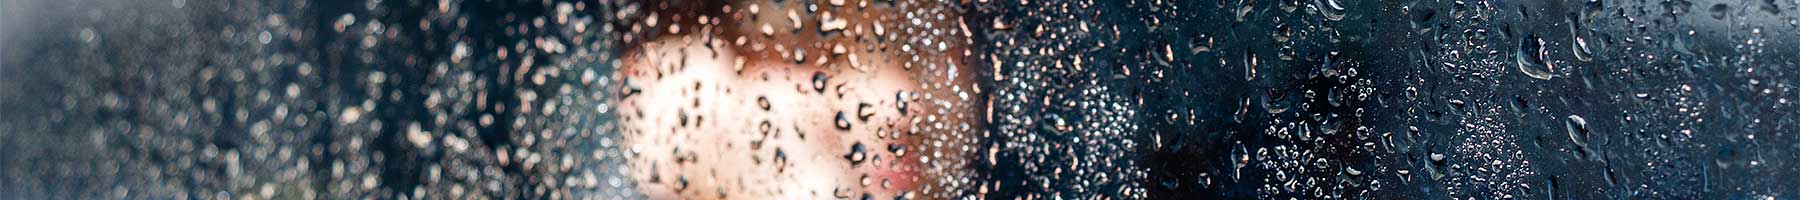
(87, 35)
(897, 149)
(1055, 122)
(344, 22)
(842, 122)
(858, 153)
(765, 127)
(900, 102)
(763, 102)
(864, 111)
(1249, 65)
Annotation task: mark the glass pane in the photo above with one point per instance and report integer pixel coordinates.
(897, 99)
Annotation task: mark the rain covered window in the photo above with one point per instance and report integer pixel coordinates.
(899, 99)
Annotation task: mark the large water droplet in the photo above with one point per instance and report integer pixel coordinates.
(1719, 11)
(1582, 50)
(1594, 8)
(1332, 10)
(1530, 57)
(1578, 130)
(1275, 102)
(1244, 8)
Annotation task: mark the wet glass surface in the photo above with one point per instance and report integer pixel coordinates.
(895, 99)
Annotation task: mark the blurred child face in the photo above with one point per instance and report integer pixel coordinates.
(767, 100)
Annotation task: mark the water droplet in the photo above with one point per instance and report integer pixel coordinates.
(897, 149)
(767, 30)
(350, 115)
(1290, 5)
(1594, 8)
(1244, 8)
(1332, 10)
(842, 122)
(858, 153)
(1577, 130)
(344, 22)
(1274, 101)
(1582, 50)
(1056, 123)
(1249, 65)
(900, 102)
(864, 111)
(87, 35)
(765, 127)
(763, 102)
(1530, 58)
(1719, 11)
